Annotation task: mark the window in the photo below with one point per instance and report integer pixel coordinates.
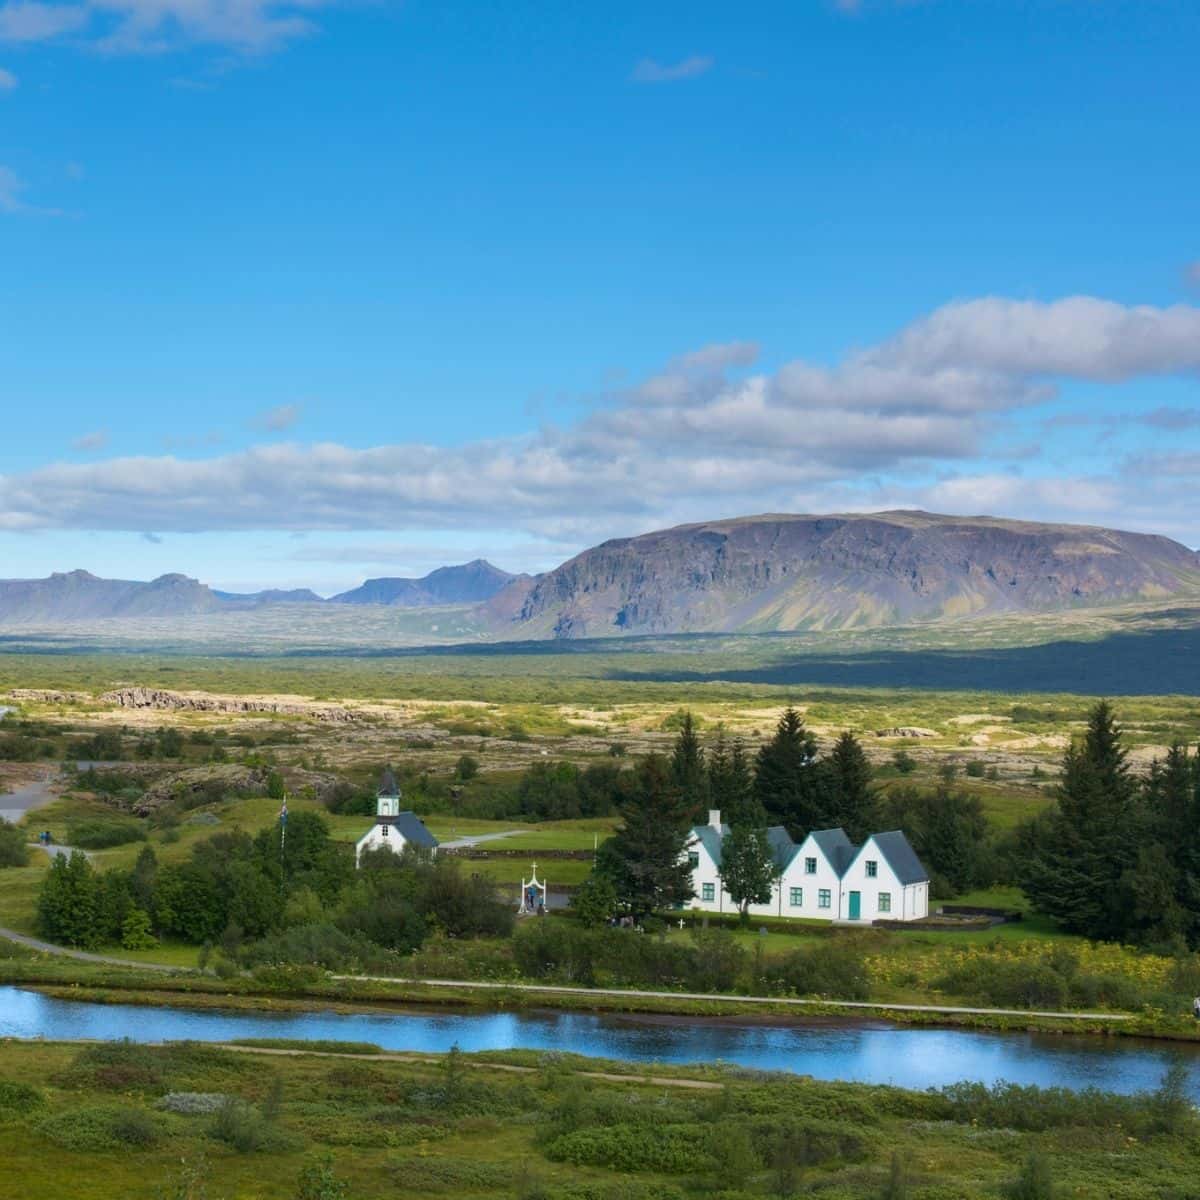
(796, 899)
(824, 900)
(872, 868)
(708, 891)
(810, 866)
(383, 829)
(693, 859)
(885, 901)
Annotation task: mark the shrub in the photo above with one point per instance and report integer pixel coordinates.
(975, 769)
(193, 1104)
(99, 833)
(904, 762)
(240, 1126)
(1035, 1181)
(451, 1174)
(116, 1067)
(100, 1127)
(670, 1149)
(833, 970)
(13, 851)
(19, 1097)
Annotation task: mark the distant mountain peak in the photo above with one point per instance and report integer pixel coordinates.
(468, 583)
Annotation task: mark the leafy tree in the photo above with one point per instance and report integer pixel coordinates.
(13, 851)
(466, 768)
(275, 786)
(135, 931)
(145, 872)
(188, 903)
(594, 900)
(687, 768)
(69, 902)
(1094, 834)
(1035, 1181)
(747, 868)
(785, 785)
(852, 803)
(645, 858)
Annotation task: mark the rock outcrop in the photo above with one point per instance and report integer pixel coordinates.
(145, 697)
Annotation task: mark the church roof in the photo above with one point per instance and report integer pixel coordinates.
(411, 828)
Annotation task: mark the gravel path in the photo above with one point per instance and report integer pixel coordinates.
(23, 939)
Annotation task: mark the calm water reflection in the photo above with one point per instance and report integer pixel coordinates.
(869, 1053)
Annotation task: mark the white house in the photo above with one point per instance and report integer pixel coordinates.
(393, 829)
(826, 877)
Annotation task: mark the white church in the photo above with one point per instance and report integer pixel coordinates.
(393, 829)
(825, 878)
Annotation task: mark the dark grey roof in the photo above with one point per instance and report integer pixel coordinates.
(711, 840)
(387, 783)
(838, 849)
(783, 849)
(901, 857)
(411, 828)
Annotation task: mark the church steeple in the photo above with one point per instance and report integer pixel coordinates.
(387, 798)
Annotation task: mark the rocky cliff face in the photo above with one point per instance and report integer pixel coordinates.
(779, 572)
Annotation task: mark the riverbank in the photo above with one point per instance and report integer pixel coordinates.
(300, 989)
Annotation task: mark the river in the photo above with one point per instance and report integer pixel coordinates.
(866, 1052)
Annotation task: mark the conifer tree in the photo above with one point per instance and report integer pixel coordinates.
(731, 784)
(68, 904)
(851, 801)
(785, 783)
(1075, 872)
(687, 768)
(646, 857)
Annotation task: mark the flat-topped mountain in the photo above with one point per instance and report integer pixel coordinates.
(780, 572)
(470, 583)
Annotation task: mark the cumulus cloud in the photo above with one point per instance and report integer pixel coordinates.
(8, 81)
(649, 70)
(708, 434)
(96, 440)
(152, 26)
(278, 419)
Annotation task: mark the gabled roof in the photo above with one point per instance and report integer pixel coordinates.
(387, 783)
(410, 827)
(710, 839)
(838, 849)
(783, 849)
(900, 856)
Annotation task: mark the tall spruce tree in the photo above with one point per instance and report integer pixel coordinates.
(687, 769)
(69, 902)
(785, 783)
(1075, 871)
(731, 785)
(851, 801)
(645, 858)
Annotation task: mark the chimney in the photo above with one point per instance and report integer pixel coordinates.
(714, 818)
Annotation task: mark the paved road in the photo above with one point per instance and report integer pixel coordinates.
(465, 843)
(14, 805)
(549, 989)
(33, 943)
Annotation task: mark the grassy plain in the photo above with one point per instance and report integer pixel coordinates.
(115, 1121)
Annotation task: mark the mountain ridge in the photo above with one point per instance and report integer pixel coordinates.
(779, 572)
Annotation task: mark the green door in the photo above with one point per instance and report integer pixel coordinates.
(855, 905)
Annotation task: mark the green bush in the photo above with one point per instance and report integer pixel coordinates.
(834, 970)
(100, 1127)
(670, 1149)
(99, 833)
(240, 1126)
(13, 850)
(450, 1174)
(19, 1097)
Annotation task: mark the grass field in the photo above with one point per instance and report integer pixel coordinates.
(100, 1122)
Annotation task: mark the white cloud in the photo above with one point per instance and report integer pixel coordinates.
(30, 21)
(651, 71)
(699, 439)
(8, 81)
(153, 26)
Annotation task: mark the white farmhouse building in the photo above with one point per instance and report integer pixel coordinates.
(826, 877)
(393, 829)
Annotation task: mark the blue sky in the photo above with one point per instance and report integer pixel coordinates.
(297, 293)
